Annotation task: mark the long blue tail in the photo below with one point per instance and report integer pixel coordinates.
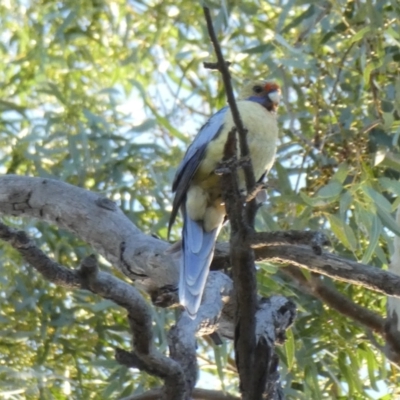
(197, 253)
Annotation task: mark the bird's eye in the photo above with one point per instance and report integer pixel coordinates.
(257, 89)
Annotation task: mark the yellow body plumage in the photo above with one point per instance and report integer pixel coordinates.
(198, 187)
(204, 201)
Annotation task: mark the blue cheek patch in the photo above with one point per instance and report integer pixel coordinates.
(256, 99)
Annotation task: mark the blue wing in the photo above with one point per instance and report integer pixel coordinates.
(197, 245)
(192, 159)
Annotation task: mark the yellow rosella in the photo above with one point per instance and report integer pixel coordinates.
(197, 187)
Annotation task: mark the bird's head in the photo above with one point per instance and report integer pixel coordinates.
(268, 94)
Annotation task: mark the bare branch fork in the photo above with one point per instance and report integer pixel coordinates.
(179, 371)
(144, 356)
(144, 258)
(255, 357)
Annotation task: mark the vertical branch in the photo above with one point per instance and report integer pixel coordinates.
(226, 77)
(241, 255)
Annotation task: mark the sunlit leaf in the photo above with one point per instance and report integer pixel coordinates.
(374, 234)
(290, 349)
(107, 96)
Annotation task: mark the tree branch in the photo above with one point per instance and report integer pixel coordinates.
(342, 304)
(198, 394)
(336, 300)
(274, 316)
(333, 266)
(214, 66)
(139, 314)
(50, 270)
(97, 221)
(144, 355)
(78, 210)
(242, 256)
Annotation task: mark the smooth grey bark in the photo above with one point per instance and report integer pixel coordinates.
(145, 259)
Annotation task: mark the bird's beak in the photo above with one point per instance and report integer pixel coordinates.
(275, 96)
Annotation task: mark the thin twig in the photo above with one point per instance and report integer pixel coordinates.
(242, 132)
(242, 256)
(214, 65)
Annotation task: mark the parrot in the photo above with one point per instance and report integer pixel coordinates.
(197, 187)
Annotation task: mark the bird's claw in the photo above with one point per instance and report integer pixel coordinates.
(257, 190)
(230, 165)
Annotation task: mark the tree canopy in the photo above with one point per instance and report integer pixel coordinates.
(106, 95)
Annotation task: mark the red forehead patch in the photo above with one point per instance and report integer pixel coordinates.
(271, 87)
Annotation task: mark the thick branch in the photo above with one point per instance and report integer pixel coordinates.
(94, 219)
(139, 315)
(76, 209)
(198, 394)
(313, 239)
(182, 337)
(336, 300)
(333, 266)
(90, 216)
(274, 316)
(144, 356)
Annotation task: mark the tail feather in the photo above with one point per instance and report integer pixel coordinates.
(193, 235)
(197, 253)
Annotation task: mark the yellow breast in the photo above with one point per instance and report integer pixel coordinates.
(261, 137)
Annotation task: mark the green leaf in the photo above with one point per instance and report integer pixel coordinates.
(260, 49)
(343, 232)
(296, 21)
(360, 34)
(379, 200)
(370, 67)
(144, 126)
(311, 201)
(346, 199)
(111, 389)
(388, 119)
(342, 172)
(311, 374)
(374, 235)
(391, 185)
(329, 191)
(102, 305)
(282, 41)
(372, 367)
(388, 221)
(268, 267)
(220, 360)
(290, 349)
(52, 89)
(346, 372)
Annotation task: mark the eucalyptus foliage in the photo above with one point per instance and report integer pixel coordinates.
(106, 95)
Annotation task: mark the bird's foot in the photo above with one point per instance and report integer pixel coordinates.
(257, 193)
(166, 296)
(230, 165)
